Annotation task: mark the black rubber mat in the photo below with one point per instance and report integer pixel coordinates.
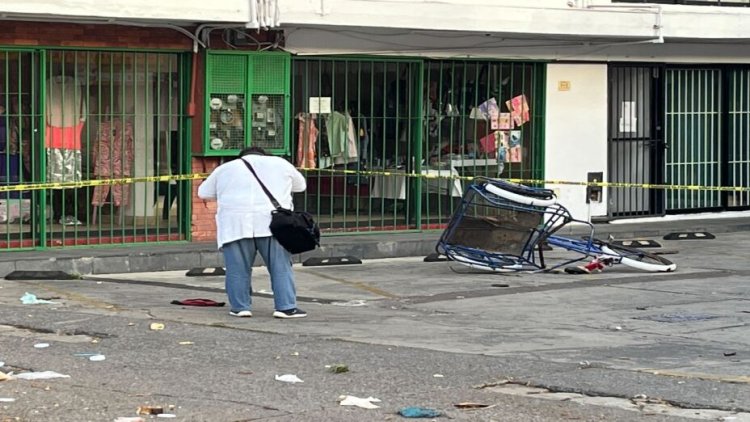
(333, 260)
(689, 236)
(205, 272)
(637, 243)
(39, 275)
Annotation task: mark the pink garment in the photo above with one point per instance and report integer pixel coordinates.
(120, 195)
(488, 144)
(63, 137)
(519, 109)
(113, 159)
(308, 135)
(514, 154)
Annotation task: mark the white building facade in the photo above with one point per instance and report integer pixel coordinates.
(551, 92)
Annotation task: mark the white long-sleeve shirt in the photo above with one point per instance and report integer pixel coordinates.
(244, 210)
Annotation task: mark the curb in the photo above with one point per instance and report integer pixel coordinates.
(175, 257)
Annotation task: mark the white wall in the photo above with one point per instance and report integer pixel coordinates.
(576, 133)
(407, 42)
(552, 18)
(164, 10)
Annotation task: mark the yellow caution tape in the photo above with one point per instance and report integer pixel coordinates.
(100, 182)
(200, 176)
(540, 181)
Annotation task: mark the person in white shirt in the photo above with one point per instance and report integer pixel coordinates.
(243, 217)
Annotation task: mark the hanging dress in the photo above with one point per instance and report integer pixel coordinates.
(113, 158)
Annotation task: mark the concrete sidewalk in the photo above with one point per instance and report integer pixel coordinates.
(618, 345)
(184, 256)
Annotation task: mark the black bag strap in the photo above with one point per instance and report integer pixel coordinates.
(265, 189)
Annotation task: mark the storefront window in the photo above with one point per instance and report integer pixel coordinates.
(97, 118)
(391, 144)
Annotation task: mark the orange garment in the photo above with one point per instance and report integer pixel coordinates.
(308, 135)
(63, 137)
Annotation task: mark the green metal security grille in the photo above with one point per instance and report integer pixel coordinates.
(391, 144)
(227, 73)
(270, 73)
(693, 132)
(636, 144)
(738, 132)
(84, 124)
(247, 101)
(483, 118)
(19, 122)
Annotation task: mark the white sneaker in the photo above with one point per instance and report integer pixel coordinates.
(69, 220)
(241, 314)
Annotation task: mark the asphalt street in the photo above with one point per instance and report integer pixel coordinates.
(618, 345)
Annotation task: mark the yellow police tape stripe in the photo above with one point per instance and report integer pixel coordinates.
(539, 181)
(439, 175)
(101, 182)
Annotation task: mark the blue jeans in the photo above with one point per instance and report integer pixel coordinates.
(238, 259)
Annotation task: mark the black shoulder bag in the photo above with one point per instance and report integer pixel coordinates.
(296, 231)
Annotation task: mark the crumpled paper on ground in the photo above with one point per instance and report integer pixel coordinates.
(359, 402)
(44, 375)
(288, 378)
(31, 299)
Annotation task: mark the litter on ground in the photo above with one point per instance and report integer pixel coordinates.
(366, 403)
(288, 378)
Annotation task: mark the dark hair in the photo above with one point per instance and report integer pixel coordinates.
(251, 150)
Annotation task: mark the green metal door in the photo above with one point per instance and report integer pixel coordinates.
(738, 133)
(693, 132)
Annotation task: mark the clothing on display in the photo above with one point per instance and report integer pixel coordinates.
(63, 165)
(3, 130)
(113, 158)
(65, 117)
(519, 109)
(65, 103)
(306, 141)
(63, 137)
(10, 168)
(342, 141)
(514, 147)
(489, 144)
(15, 153)
(363, 135)
(10, 163)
